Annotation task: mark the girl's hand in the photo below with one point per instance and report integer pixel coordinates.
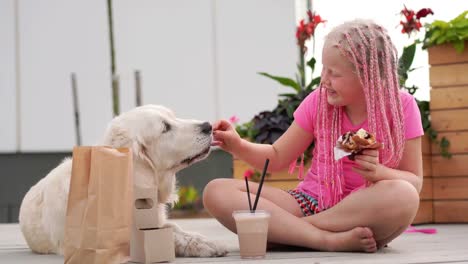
(225, 136)
(368, 165)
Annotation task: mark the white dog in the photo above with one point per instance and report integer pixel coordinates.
(161, 144)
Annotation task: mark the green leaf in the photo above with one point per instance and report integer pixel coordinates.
(460, 23)
(290, 111)
(459, 45)
(311, 64)
(301, 78)
(283, 80)
(313, 83)
(407, 57)
(288, 94)
(441, 40)
(405, 62)
(444, 145)
(444, 142)
(462, 16)
(454, 31)
(439, 23)
(435, 35)
(412, 90)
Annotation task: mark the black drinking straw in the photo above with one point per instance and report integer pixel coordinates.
(248, 193)
(261, 184)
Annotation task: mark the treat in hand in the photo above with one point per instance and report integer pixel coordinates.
(355, 142)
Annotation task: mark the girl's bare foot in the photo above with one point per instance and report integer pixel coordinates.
(357, 239)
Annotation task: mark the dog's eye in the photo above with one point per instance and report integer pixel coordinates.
(167, 127)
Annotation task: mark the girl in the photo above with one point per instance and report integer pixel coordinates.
(341, 205)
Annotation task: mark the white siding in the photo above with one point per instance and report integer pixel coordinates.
(7, 77)
(251, 37)
(57, 38)
(199, 58)
(171, 43)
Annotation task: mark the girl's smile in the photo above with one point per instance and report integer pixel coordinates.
(331, 93)
(340, 80)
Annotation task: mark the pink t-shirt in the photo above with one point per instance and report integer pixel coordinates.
(305, 115)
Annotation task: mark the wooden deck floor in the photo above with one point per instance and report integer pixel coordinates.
(449, 245)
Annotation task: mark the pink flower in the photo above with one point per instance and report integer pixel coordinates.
(233, 119)
(248, 173)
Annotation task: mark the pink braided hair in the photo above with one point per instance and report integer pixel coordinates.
(370, 50)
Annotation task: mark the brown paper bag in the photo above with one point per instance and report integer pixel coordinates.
(99, 212)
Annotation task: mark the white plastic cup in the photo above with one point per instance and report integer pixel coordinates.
(252, 231)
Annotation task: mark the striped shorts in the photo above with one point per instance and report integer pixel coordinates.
(307, 203)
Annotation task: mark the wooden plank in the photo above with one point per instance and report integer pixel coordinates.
(450, 188)
(426, 191)
(446, 54)
(448, 75)
(240, 167)
(449, 120)
(458, 142)
(284, 184)
(457, 165)
(448, 98)
(427, 166)
(425, 213)
(284, 175)
(451, 211)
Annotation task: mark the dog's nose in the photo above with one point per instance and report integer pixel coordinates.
(206, 128)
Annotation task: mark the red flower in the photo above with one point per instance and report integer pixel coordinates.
(423, 13)
(306, 30)
(248, 173)
(412, 22)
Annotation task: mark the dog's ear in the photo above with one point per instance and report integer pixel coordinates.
(141, 151)
(117, 137)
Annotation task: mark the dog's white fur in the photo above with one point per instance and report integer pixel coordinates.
(161, 144)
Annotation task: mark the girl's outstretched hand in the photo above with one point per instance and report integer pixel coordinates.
(225, 136)
(368, 164)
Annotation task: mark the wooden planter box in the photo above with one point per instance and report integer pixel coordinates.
(282, 179)
(449, 117)
(286, 181)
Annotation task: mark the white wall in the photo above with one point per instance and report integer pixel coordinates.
(199, 58)
(253, 36)
(205, 63)
(171, 43)
(57, 38)
(7, 77)
(387, 13)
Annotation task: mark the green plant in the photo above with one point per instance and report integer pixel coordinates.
(410, 26)
(454, 31)
(189, 199)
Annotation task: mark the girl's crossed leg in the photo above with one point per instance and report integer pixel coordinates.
(345, 227)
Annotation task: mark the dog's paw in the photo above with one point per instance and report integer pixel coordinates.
(195, 245)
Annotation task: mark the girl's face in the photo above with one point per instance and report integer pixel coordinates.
(342, 84)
